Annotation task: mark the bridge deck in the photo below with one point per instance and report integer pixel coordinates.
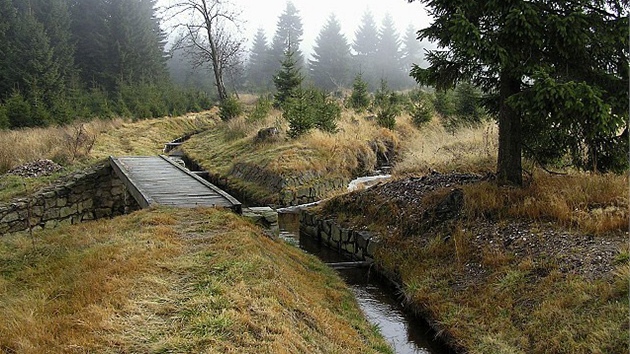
(158, 180)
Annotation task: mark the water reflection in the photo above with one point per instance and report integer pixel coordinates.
(406, 334)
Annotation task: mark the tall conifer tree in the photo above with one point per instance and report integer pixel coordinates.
(259, 73)
(557, 73)
(288, 37)
(365, 46)
(388, 54)
(331, 57)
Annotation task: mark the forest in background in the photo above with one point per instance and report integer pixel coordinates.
(63, 60)
(66, 60)
(377, 52)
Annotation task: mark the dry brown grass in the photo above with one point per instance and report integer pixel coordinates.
(25, 145)
(112, 137)
(185, 281)
(147, 137)
(342, 153)
(510, 307)
(592, 203)
(433, 148)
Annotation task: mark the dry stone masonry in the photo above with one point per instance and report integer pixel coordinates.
(304, 188)
(86, 195)
(353, 244)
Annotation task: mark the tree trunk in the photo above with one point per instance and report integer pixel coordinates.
(509, 169)
(217, 68)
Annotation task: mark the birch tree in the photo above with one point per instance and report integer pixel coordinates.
(209, 34)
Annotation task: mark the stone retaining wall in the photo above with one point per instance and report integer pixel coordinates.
(86, 195)
(281, 190)
(356, 245)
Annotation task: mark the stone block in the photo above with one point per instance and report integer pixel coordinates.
(107, 203)
(335, 233)
(349, 247)
(62, 202)
(270, 215)
(10, 217)
(50, 214)
(50, 203)
(17, 226)
(86, 205)
(325, 225)
(372, 246)
(117, 190)
(362, 238)
(49, 194)
(66, 211)
(102, 212)
(79, 176)
(312, 231)
(51, 224)
(345, 235)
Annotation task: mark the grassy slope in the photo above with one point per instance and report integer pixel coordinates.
(345, 153)
(172, 281)
(113, 137)
(489, 300)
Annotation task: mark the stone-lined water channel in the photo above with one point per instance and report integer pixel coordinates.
(406, 333)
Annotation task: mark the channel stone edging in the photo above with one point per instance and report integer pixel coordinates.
(354, 244)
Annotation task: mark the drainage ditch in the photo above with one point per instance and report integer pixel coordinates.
(377, 298)
(406, 333)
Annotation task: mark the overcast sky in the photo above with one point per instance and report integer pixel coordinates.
(314, 13)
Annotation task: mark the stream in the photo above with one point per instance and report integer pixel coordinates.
(405, 333)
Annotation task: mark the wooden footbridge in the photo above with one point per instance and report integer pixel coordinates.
(157, 180)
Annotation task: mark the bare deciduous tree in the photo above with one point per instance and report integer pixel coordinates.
(209, 34)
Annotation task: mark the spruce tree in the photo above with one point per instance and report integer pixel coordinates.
(388, 54)
(359, 99)
(411, 53)
(288, 80)
(365, 45)
(8, 13)
(259, 75)
(331, 58)
(288, 37)
(557, 73)
(91, 37)
(118, 42)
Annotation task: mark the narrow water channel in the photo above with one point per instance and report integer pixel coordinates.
(405, 333)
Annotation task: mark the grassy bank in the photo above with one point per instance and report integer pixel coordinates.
(353, 151)
(172, 281)
(542, 269)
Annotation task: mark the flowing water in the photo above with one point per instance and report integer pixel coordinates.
(406, 333)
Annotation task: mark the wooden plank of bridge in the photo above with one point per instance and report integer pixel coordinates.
(158, 180)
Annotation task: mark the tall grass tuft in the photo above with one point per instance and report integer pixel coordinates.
(593, 203)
